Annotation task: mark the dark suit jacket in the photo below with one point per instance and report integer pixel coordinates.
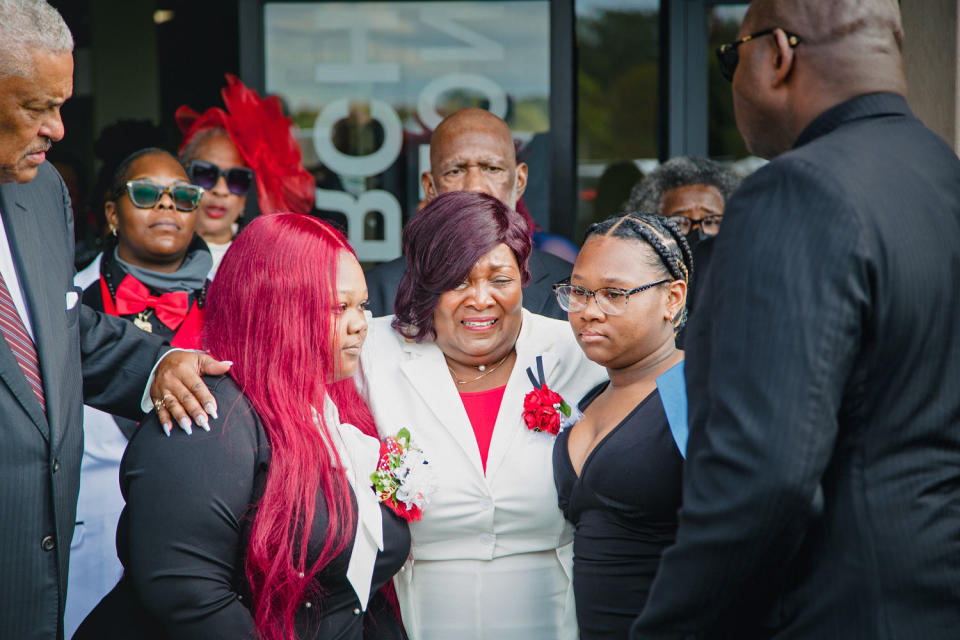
(84, 356)
(822, 485)
(538, 297)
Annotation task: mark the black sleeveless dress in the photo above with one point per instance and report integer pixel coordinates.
(624, 507)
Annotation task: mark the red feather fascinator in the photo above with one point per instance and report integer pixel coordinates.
(263, 136)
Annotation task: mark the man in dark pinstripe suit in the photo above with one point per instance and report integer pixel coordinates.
(55, 353)
(822, 487)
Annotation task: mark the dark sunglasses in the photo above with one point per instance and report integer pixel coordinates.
(207, 174)
(729, 57)
(145, 194)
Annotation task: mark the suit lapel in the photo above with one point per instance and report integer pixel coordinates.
(509, 423)
(22, 228)
(426, 371)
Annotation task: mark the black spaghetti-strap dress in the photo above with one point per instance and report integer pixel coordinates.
(624, 507)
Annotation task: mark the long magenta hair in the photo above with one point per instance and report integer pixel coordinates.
(269, 310)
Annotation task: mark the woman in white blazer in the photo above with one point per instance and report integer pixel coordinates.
(491, 557)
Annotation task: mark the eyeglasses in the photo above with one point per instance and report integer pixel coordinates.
(729, 57)
(611, 300)
(207, 174)
(709, 224)
(145, 194)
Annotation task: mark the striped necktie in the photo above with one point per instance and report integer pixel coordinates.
(15, 333)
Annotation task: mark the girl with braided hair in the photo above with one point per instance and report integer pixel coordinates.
(618, 470)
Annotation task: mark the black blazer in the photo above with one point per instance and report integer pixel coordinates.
(84, 356)
(190, 505)
(545, 269)
(822, 485)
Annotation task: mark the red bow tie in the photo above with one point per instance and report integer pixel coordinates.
(134, 297)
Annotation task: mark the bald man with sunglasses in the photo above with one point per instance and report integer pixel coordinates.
(822, 482)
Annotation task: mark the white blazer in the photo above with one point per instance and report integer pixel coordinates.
(513, 508)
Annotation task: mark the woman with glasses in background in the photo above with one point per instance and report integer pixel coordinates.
(152, 272)
(228, 151)
(691, 191)
(618, 469)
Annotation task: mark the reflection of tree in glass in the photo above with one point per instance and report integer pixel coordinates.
(723, 139)
(530, 115)
(617, 108)
(304, 118)
(358, 134)
(453, 100)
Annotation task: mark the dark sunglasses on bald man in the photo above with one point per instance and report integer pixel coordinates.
(729, 57)
(207, 174)
(145, 194)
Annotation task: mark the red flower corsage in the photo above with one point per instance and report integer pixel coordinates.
(543, 408)
(403, 480)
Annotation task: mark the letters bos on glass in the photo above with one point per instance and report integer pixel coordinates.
(367, 82)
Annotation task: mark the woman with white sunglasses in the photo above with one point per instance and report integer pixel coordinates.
(152, 272)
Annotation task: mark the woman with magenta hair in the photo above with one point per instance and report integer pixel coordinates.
(267, 526)
(469, 373)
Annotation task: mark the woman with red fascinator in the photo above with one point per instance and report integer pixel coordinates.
(229, 151)
(267, 526)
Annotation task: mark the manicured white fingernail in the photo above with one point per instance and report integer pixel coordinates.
(229, 363)
(167, 428)
(187, 425)
(202, 421)
(211, 408)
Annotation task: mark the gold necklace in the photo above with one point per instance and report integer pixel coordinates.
(484, 370)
